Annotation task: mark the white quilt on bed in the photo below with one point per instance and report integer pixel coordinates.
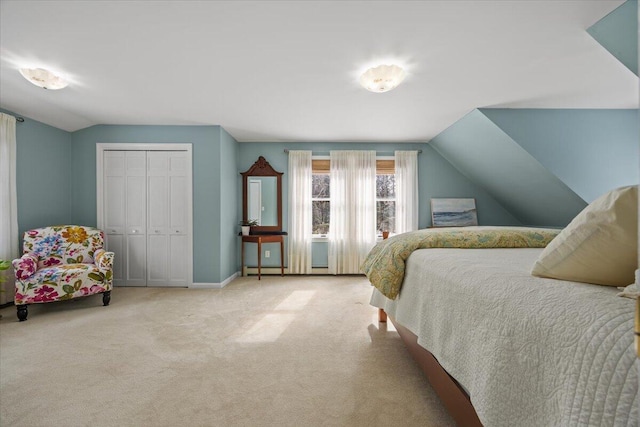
(530, 351)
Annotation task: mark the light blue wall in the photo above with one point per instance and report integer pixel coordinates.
(230, 210)
(442, 179)
(57, 169)
(43, 176)
(207, 193)
(618, 33)
(437, 178)
(591, 151)
(489, 157)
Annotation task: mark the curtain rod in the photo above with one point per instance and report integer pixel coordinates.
(18, 118)
(286, 150)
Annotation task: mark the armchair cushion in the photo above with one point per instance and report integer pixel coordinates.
(62, 282)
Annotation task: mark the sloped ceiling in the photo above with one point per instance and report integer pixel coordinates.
(543, 166)
(618, 33)
(489, 157)
(591, 151)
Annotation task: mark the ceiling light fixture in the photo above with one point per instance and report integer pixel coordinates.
(382, 78)
(43, 78)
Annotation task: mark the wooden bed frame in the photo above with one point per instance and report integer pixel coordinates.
(452, 395)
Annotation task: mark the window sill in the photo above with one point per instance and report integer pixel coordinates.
(322, 238)
(379, 236)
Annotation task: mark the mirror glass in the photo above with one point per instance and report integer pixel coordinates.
(262, 200)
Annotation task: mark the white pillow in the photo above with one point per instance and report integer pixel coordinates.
(599, 246)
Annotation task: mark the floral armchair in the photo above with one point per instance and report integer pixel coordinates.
(60, 263)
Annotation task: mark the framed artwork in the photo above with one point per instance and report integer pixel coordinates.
(453, 212)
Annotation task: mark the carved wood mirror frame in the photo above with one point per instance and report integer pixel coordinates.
(262, 168)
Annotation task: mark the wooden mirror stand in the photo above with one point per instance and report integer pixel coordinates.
(262, 168)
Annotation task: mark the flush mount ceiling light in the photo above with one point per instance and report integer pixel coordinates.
(43, 78)
(382, 78)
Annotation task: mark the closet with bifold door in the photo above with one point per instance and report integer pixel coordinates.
(144, 208)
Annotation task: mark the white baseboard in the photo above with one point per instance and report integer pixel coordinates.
(276, 271)
(214, 285)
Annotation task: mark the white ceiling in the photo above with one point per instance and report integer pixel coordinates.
(287, 71)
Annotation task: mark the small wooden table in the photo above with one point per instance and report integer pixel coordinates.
(260, 239)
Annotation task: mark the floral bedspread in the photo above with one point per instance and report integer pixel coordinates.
(385, 263)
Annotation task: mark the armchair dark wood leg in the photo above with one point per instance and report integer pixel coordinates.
(22, 312)
(106, 298)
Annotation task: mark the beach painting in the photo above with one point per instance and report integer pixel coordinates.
(453, 212)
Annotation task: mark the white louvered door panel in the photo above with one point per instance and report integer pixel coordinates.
(158, 218)
(167, 219)
(178, 223)
(114, 211)
(136, 218)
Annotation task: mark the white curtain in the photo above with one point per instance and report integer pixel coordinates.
(300, 221)
(8, 198)
(352, 232)
(406, 164)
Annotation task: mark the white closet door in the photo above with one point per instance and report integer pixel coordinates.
(158, 218)
(136, 268)
(114, 211)
(146, 215)
(124, 215)
(167, 219)
(178, 219)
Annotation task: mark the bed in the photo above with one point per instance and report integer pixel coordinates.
(502, 347)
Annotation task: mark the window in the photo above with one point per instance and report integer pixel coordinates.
(320, 202)
(385, 196)
(385, 202)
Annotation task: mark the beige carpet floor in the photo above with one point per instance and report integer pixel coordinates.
(292, 351)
